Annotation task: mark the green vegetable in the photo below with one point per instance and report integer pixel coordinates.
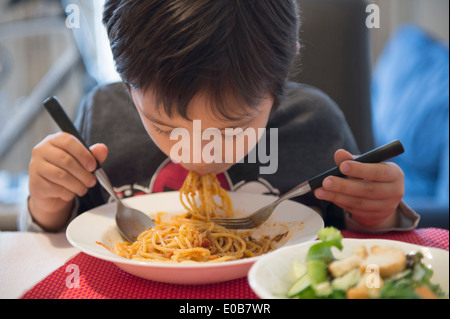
(347, 281)
(298, 269)
(421, 274)
(403, 289)
(404, 274)
(299, 286)
(317, 271)
(323, 289)
(330, 237)
(310, 293)
(307, 293)
(313, 278)
(330, 234)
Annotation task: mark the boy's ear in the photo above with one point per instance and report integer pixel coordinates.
(127, 85)
(128, 89)
(298, 48)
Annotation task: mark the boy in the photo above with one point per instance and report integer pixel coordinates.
(223, 63)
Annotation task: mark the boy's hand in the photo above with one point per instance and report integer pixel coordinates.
(371, 194)
(60, 168)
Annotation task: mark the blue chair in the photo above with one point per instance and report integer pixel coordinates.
(410, 102)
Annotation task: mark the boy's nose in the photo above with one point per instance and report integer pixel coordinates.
(202, 170)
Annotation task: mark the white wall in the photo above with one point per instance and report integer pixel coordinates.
(35, 37)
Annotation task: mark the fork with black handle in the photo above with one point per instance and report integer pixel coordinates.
(376, 155)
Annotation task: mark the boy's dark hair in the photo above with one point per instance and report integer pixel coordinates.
(225, 48)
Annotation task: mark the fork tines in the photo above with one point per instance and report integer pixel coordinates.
(236, 223)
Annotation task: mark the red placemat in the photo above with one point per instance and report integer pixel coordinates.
(101, 279)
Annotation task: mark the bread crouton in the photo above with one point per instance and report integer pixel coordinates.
(369, 287)
(361, 251)
(339, 268)
(390, 260)
(357, 293)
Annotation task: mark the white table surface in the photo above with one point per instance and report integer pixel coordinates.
(27, 258)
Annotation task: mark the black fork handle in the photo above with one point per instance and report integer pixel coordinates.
(376, 155)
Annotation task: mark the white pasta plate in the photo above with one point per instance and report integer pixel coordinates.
(96, 226)
(272, 275)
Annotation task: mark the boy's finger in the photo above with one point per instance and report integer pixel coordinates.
(341, 156)
(352, 203)
(360, 188)
(74, 147)
(48, 190)
(59, 176)
(379, 172)
(68, 165)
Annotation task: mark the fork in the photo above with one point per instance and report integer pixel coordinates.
(130, 222)
(376, 155)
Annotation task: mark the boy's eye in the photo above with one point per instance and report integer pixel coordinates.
(226, 135)
(160, 131)
(235, 134)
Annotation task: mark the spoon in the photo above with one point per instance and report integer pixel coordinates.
(129, 221)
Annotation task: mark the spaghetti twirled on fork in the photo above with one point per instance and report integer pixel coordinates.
(194, 237)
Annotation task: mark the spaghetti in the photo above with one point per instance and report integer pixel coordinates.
(194, 237)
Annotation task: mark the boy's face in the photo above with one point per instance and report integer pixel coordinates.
(159, 126)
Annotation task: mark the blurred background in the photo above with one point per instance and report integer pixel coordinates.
(387, 66)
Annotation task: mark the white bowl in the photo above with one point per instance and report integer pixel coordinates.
(271, 276)
(98, 225)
